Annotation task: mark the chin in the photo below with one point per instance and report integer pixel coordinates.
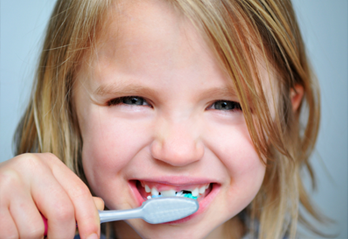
(191, 230)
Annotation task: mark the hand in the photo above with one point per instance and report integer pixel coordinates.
(35, 184)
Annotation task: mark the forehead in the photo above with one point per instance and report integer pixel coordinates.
(149, 38)
(156, 31)
(149, 27)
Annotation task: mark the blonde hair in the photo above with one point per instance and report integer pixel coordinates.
(243, 34)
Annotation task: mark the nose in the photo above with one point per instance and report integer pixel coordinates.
(177, 144)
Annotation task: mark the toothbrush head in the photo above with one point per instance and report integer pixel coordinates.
(166, 209)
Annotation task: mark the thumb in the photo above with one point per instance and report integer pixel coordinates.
(99, 203)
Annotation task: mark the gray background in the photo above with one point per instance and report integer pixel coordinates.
(324, 28)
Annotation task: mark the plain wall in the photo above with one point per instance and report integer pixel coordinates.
(324, 28)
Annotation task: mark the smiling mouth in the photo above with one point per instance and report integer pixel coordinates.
(149, 190)
(204, 192)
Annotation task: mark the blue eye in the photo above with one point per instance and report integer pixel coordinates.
(226, 105)
(128, 100)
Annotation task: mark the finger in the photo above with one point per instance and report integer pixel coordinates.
(55, 205)
(8, 228)
(26, 216)
(44, 192)
(18, 208)
(86, 212)
(99, 203)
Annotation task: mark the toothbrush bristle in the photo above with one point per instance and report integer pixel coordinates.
(185, 194)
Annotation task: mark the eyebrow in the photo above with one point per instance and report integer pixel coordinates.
(222, 92)
(108, 89)
(135, 89)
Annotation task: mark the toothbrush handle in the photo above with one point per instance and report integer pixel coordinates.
(110, 215)
(116, 215)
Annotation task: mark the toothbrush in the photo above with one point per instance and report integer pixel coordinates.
(153, 211)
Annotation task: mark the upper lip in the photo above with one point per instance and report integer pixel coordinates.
(178, 181)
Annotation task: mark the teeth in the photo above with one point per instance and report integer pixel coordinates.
(195, 192)
(179, 194)
(168, 193)
(154, 192)
(203, 188)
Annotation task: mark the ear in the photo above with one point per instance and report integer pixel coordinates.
(296, 95)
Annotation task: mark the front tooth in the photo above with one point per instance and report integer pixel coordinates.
(195, 192)
(202, 190)
(206, 186)
(179, 194)
(168, 193)
(154, 192)
(147, 189)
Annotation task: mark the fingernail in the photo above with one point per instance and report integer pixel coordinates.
(93, 236)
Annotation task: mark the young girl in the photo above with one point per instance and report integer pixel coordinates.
(140, 97)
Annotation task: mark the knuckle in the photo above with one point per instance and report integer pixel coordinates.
(49, 156)
(82, 191)
(64, 212)
(27, 161)
(33, 160)
(9, 179)
(26, 156)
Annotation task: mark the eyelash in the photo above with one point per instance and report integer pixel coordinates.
(132, 100)
(224, 105)
(229, 105)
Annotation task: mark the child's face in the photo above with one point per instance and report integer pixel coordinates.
(176, 127)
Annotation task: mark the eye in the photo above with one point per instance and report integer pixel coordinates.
(226, 105)
(128, 100)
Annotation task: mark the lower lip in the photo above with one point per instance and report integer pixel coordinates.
(203, 203)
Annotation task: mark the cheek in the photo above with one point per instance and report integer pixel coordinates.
(246, 173)
(108, 148)
(244, 168)
(101, 146)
